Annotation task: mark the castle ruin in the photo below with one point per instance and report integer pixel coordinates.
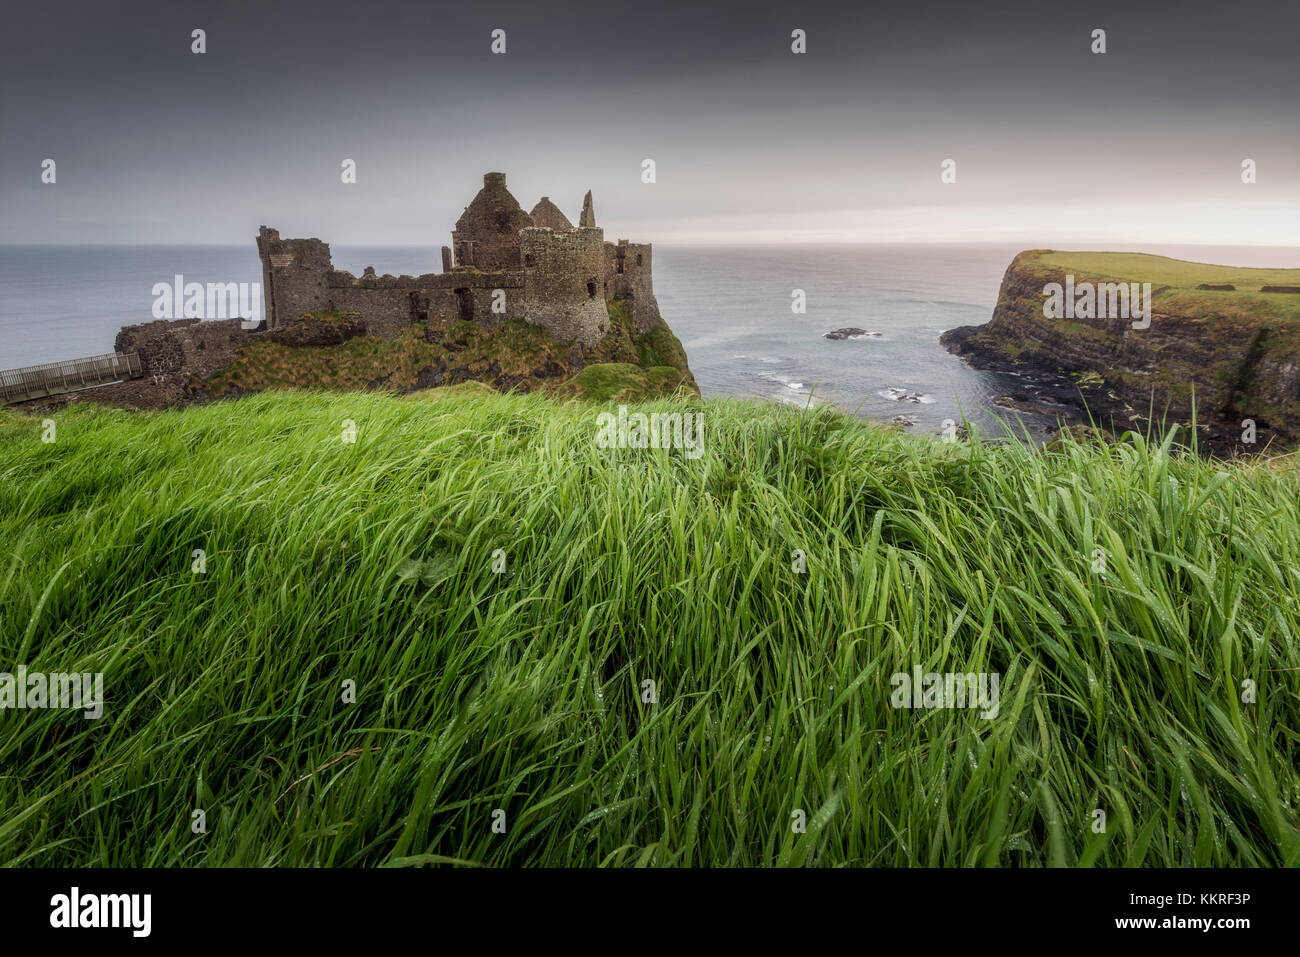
(503, 263)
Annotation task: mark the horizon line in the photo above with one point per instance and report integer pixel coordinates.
(718, 243)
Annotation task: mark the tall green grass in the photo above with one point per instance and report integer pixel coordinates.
(525, 691)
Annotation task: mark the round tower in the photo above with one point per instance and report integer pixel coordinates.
(564, 282)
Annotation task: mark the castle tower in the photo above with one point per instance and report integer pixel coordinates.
(295, 275)
(486, 236)
(629, 276)
(564, 282)
(547, 214)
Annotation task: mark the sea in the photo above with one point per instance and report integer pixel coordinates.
(732, 308)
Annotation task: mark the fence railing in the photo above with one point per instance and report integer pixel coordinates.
(53, 378)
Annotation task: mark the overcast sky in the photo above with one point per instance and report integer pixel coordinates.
(752, 143)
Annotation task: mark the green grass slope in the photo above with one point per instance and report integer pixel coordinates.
(1177, 280)
(526, 691)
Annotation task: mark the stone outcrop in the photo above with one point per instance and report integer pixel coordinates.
(319, 331)
(1238, 361)
(516, 356)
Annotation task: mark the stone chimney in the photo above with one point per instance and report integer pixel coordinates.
(588, 217)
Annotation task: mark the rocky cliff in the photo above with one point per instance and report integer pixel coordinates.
(512, 356)
(1212, 334)
(190, 362)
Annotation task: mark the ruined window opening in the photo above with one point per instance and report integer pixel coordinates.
(591, 290)
(638, 259)
(465, 304)
(419, 307)
(528, 259)
(620, 266)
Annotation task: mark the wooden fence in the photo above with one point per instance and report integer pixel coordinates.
(33, 382)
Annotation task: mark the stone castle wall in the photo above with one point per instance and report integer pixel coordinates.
(389, 304)
(173, 347)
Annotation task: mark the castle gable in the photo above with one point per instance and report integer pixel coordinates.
(547, 214)
(487, 234)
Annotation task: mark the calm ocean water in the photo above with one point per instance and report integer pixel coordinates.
(730, 306)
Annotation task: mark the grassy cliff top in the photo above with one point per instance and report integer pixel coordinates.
(769, 588)
(1180, 279)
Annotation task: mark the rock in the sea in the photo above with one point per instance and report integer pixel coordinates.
(1032, 404)
(897, 394)
(849, 333)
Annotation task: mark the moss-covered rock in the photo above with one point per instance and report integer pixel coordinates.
(470, 388)
(317, 330)
(514, 356)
